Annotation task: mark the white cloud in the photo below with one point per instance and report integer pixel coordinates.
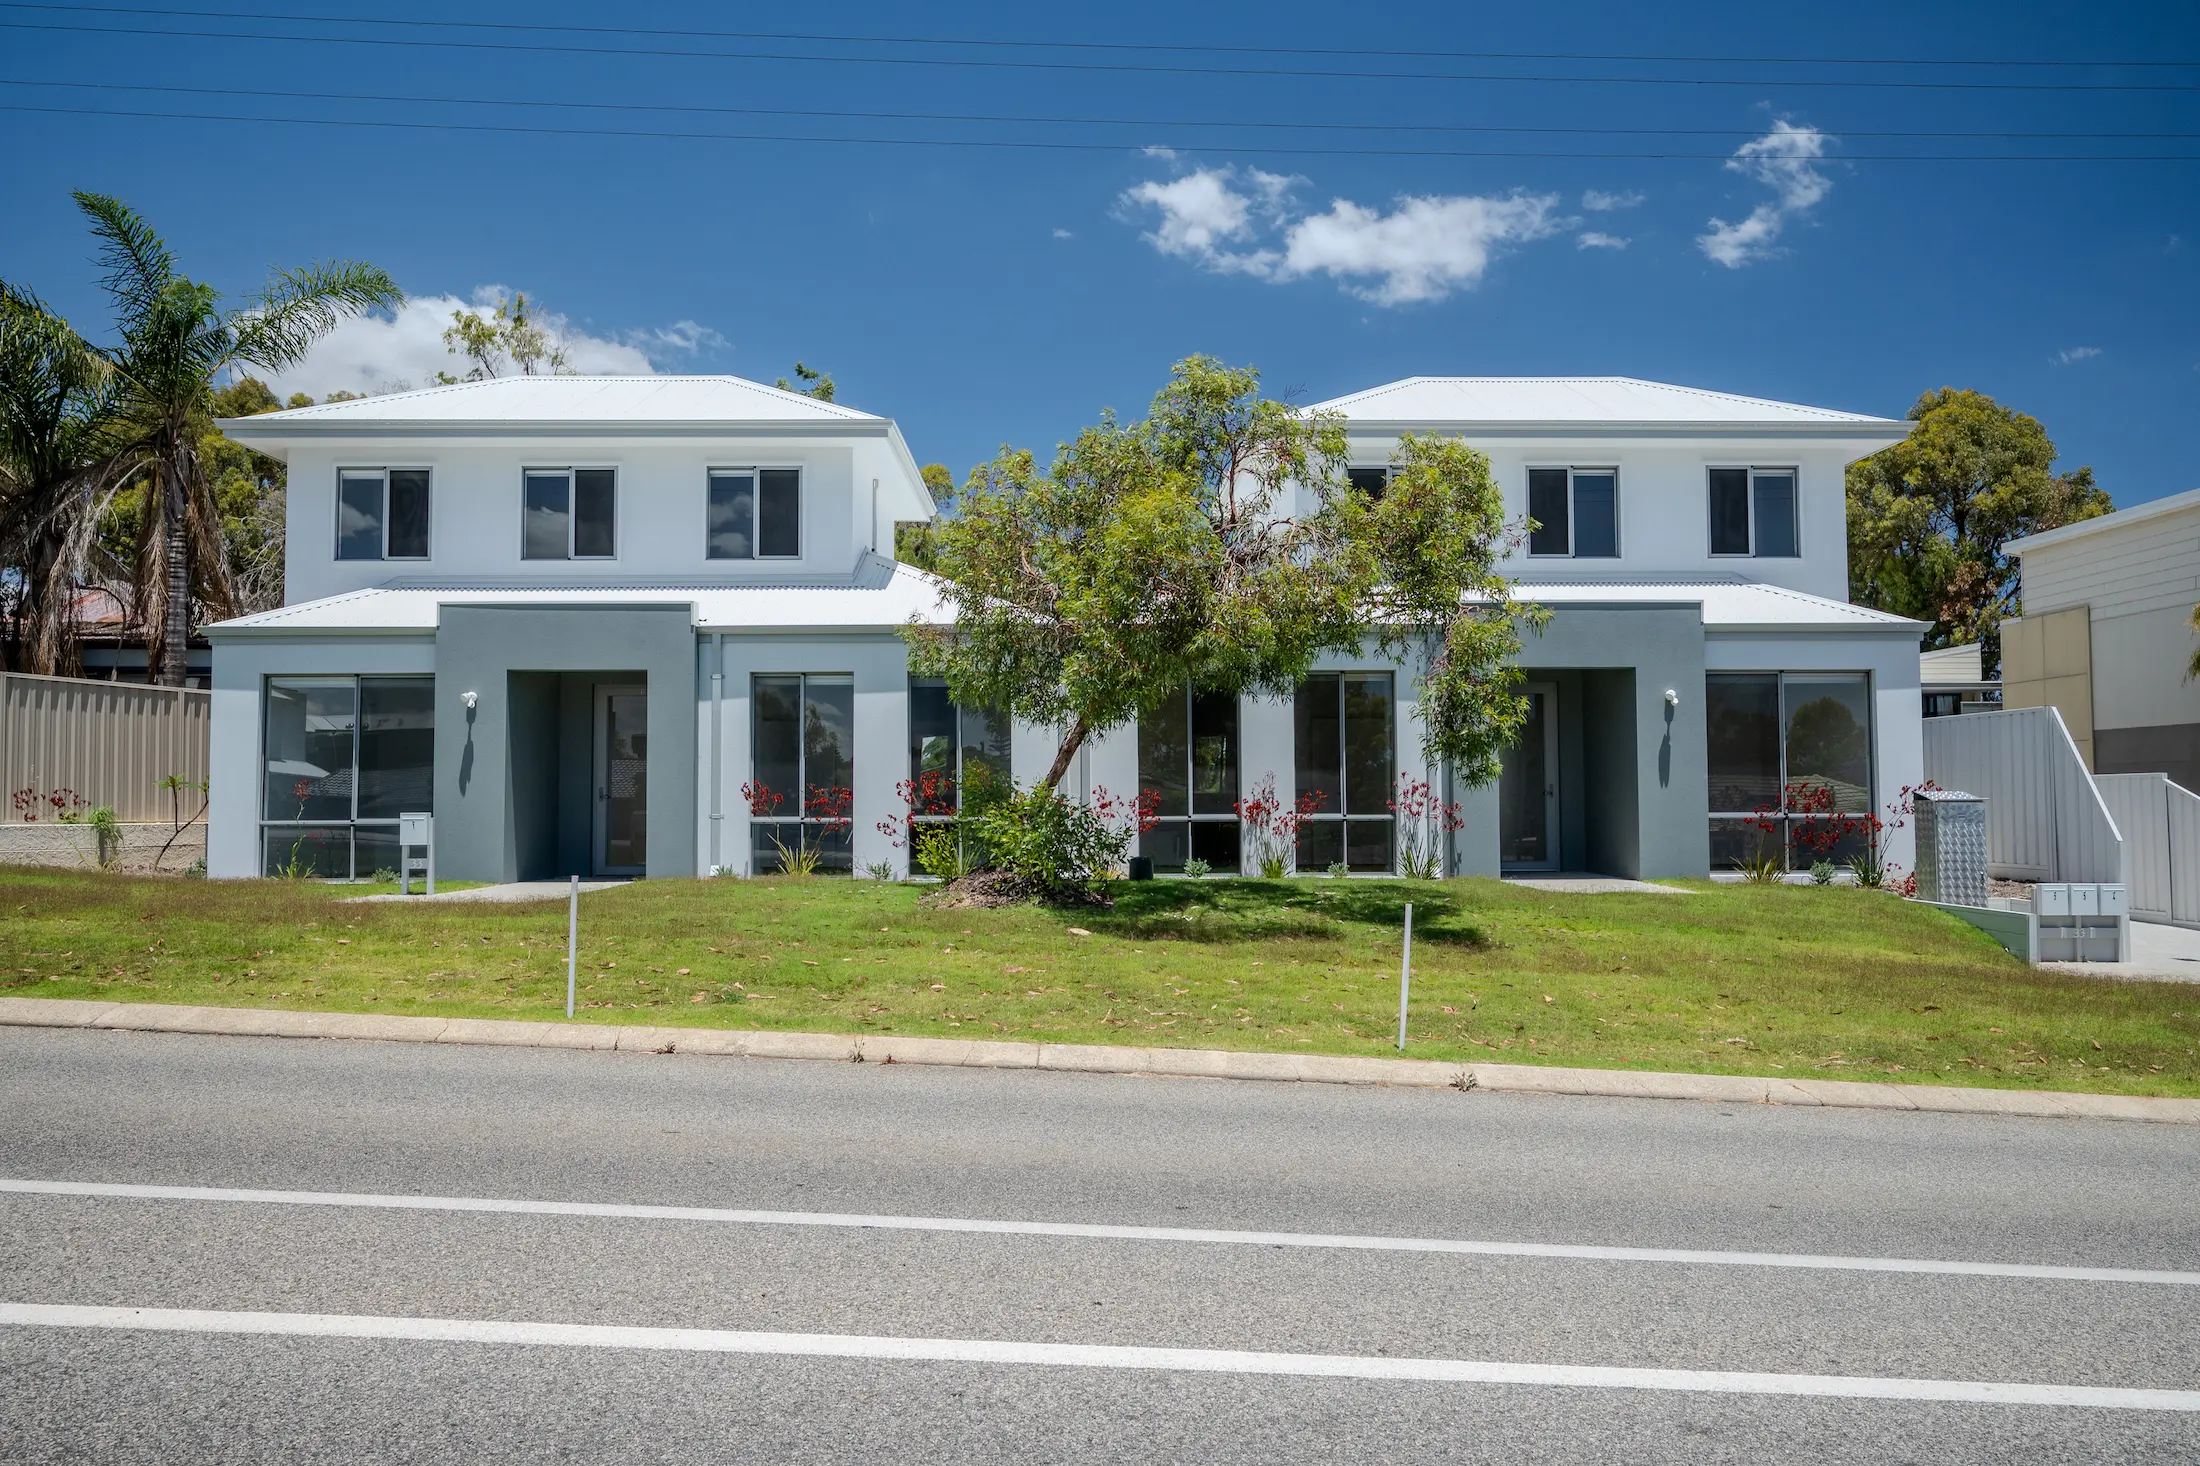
(1597, 239)
(1235, 222)
(1596, 201)
(2076, 353)
(1063, 234)
(1782, 160)
(388, 352)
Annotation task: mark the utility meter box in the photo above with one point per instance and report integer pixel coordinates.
(1951, 847)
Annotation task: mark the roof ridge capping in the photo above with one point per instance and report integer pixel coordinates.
(1565, 399)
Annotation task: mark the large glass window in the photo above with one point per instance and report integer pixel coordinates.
(382, 514)
(569, 514)
(343, 758)
(1345, 742)
(755, 513)
(953, 751)
(1753, 512)
(802, 790)
(1576, 511)
(1790, 755)
(1188, 760)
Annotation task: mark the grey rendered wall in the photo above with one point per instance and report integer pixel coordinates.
(1611, 773)
(476, 650)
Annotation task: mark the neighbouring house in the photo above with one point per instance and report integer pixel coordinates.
(648, 626)
(2106, 636)
(1954, 681)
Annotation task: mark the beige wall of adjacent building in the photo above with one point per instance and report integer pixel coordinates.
(2047, 661)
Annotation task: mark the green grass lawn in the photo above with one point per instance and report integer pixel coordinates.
(1833, 982)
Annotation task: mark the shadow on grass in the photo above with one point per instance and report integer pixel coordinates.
(1261, 910)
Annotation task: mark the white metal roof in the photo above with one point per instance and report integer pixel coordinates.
(885, 595)
(1584, 401)
(2101, 524)
(639, 399)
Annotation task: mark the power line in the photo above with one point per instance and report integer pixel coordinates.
(1025, 120)
(1135, 46)
(542, 48)
(1081, 147)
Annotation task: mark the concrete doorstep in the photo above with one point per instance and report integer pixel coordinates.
(1092, 1059)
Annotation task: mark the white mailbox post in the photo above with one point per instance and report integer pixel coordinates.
(415, 830)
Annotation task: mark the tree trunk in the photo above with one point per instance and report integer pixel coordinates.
(176, 624)
(1071, 742)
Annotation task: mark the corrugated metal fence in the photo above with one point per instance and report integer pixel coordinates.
(109, 742)
(2045, 820)
(2160, 822)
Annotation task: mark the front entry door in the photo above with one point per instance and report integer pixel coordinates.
(622, 780)
(1527, 790)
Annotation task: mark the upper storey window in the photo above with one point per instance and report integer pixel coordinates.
(382, 514)
(569, 514)
(1753, 512)
(1369, 481)
(1576, 512)
(754, 514)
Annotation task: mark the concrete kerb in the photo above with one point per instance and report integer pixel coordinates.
(1093, 1059)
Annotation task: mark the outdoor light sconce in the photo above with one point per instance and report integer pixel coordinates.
(1672, 699)
(472, 699)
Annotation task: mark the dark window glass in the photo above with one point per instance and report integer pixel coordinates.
(1214, 753)
(777, 758)
(317, 852)
(1369, 481)
(1214, 841)
(1547, 507)
(1367, 843)
(1742, 738)
(985, 752)
(1736, 841)
(1164, 757)
(547, 517)
(359, 516)
(1367, 742)
(1321, 844)
(1596, 516)
(594, 510)
(309, 750)
(828, 740)
(408, 514)
(779, 512)
(1829, 737)
(373, 848)
(732, 528)
(396, 746)
(932, 741)
(1729, 511)
(1319, 742)
(1166, 844)
(1776, 514)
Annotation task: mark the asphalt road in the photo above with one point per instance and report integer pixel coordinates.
(373, 1121)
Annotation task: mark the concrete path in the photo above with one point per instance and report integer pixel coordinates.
(511, 891)
(1092, 1059)
(1571, 883)
(222, 1250)
(2158, 953)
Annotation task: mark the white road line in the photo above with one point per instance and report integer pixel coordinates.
(1101, 1231)
(1083, 1356)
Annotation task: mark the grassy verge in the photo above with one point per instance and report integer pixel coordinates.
(1730, 979)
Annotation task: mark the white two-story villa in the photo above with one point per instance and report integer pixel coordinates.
(649, 626)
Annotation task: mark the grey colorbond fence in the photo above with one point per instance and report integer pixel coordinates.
(109, 742)
(2045, 819)
(2160, 822)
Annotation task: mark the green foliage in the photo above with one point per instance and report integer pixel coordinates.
(1928, 516)
(1338, 870)
(938, 851)
(1058, 847)
(1197, 869)
(814, 384)
(506, 337)
(1821, 872)
(1217, 544)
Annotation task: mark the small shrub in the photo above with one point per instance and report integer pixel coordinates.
(196, 870)
(1060, 848)
(1762, 867)
(1338, 870)
(1196, 868)
(385, 876)
(1821, 872)
(880, 870)
(938, 851)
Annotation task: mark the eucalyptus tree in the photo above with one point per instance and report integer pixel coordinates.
(57, 470)
(1220, 544)
(176, 339)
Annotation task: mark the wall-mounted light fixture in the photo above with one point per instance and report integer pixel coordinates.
(473, 699)
(1672, 698)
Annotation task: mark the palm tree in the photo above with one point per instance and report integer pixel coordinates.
(176, 339)
(57, 441)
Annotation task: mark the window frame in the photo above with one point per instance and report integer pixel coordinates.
(572, 472)
(756, 472)
(1794, 475)
(1378, 490)
(808, 825)
(351, 823)
(1343, 815)
(1788, 819)
(1183, 701)
(962, 746)
(383, 471)
(1573, 510)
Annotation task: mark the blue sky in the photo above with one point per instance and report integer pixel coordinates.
(1005, 294)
